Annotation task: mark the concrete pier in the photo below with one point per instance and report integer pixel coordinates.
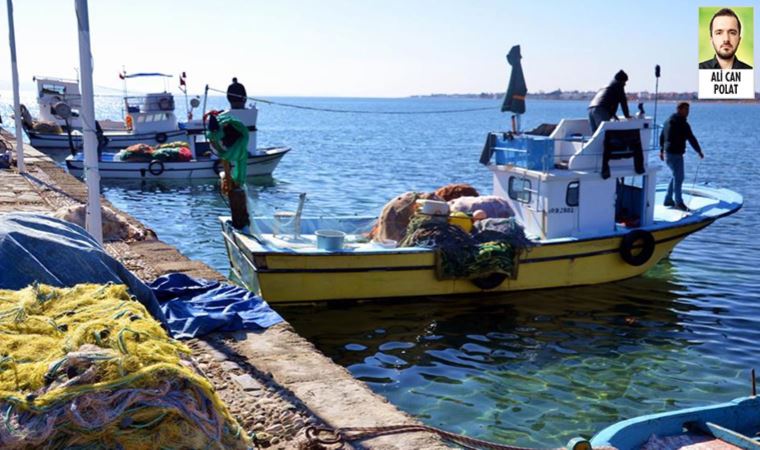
(275, 382)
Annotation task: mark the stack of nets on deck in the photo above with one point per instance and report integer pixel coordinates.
(169, 152)
(173, 152)
(491, 248)
(87, 367)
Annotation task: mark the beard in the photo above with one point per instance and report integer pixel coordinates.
(725, 54)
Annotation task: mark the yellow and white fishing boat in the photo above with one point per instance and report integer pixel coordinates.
(587, 201)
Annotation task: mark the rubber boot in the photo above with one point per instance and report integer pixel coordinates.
(239, 208)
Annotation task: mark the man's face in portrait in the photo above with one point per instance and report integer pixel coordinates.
(725, 36)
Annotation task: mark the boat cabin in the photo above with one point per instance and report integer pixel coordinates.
(152, 113)
(565, 181)
(53, 91)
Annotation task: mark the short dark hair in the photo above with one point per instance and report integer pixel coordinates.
(726, 12)
(682, 105)
(234, 79)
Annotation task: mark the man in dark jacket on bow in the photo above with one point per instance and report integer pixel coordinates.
(236, 95)
(605, 103)
(673, 139)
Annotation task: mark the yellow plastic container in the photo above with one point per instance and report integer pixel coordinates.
(462, 221)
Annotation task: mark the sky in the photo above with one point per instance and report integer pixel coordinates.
(363, 48)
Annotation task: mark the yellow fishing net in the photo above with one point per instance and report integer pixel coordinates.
(88, 367)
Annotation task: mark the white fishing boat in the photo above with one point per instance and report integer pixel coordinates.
(149, 119)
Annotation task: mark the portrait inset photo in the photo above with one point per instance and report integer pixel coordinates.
(726, 38)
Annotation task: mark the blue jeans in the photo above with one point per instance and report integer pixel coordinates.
(675, 162)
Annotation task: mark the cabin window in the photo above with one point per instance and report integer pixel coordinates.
(572, 194)
(519, 189)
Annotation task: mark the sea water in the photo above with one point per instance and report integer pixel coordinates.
(528, 368)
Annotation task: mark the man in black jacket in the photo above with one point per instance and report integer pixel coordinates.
(673, 139)
(605, 103)
(236, 95)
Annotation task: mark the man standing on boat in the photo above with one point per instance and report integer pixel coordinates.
(236, 94)
(605, 103)
(675, 133)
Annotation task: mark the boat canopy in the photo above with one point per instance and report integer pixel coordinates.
(145, 74)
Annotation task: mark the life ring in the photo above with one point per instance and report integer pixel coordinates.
(218, 166)
(639, 239)
(490, 281)
(128, 123)
(156, 167)
(160, 138)
(165, 104)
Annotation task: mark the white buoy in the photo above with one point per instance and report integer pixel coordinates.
(93, 220)
(16, 99)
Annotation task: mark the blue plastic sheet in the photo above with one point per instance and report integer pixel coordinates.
(35, 248)
(197, 307)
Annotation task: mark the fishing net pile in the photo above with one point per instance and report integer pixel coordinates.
(491, 248)
(87, 367)
(169, 152)
(136, 153)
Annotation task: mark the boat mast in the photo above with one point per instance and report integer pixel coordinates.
(16, 101)
(91, 173)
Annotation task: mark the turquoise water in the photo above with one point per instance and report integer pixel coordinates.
(530, 368)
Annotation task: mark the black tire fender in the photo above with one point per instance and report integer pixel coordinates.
(637, 239)
(160, 138)
(490, 281)
(218, 166)
(156, 167)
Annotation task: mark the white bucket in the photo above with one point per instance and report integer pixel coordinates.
(330, 240)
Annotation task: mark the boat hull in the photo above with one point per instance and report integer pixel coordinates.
(289, 277)
(258, 166)
(116, 140)
(739, 416)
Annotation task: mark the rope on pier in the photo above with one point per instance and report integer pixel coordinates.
(328, 436)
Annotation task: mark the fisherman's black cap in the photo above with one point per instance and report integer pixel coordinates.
(621, 76)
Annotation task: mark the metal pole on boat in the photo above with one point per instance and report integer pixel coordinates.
(205, 97)
(16, 101)
(91, 173)
(656, 87)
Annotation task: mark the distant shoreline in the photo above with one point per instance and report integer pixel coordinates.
(587, 95)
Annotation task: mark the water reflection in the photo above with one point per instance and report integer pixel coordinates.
(532, 368)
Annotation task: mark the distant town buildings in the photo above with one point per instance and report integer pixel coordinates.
(582, 95)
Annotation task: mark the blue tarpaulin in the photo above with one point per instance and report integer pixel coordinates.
(35, 248)
(197, 307)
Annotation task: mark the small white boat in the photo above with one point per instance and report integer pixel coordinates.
(260, 164)
(149, 119)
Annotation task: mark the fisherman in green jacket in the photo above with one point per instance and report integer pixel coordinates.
(673, 139)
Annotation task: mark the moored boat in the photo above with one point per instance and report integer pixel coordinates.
(730, 425)
(586, 200)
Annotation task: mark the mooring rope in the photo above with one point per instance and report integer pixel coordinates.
(353, 111)
(330, 436)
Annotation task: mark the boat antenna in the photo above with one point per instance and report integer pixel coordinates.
(656, 87)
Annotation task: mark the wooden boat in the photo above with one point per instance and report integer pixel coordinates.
(726, 426)
(585, 228)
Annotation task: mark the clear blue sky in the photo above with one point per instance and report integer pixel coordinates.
(376, 48)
